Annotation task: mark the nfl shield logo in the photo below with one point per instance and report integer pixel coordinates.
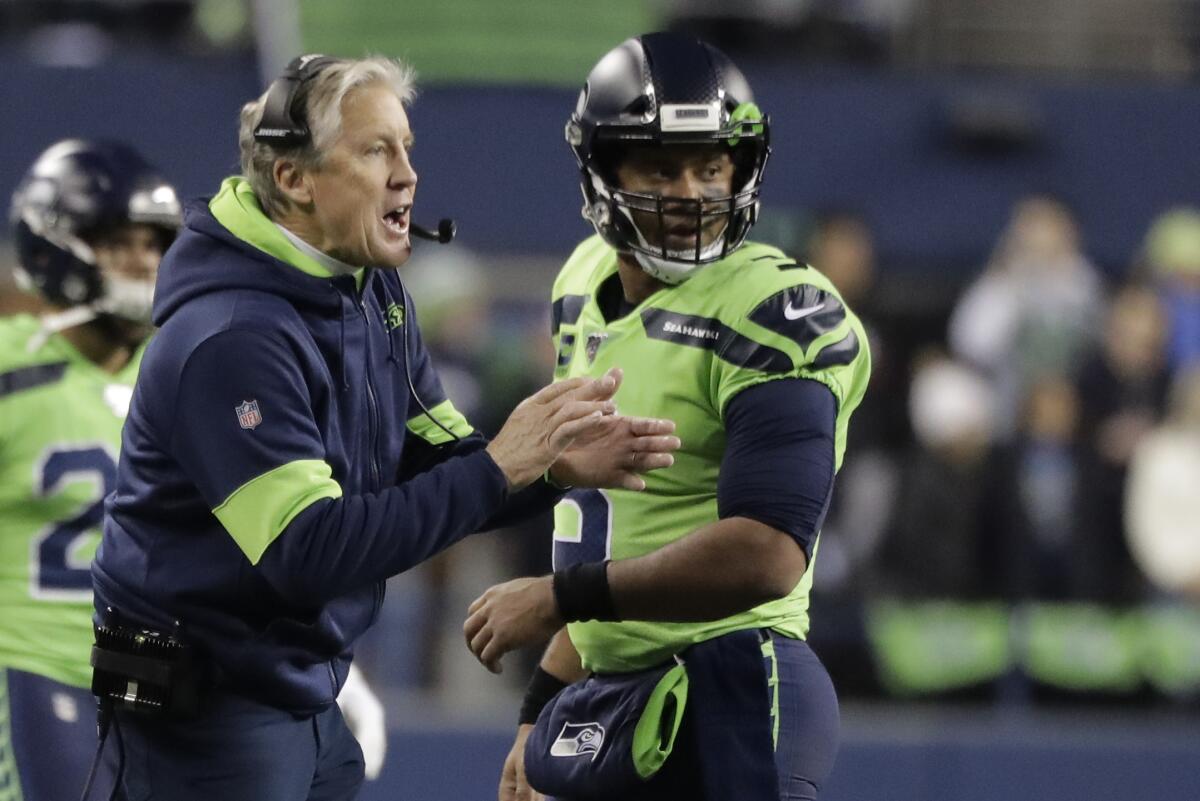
(248, 415)
(594, 341)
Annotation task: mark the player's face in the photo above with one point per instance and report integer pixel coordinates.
(128, 257)
(130, 251)
(701, 173)
(363, 189)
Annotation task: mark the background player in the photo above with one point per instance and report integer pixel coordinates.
(91, 221)
(760, 364)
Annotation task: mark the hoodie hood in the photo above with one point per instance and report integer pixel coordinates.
(229, 243)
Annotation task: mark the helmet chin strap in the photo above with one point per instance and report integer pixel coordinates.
(126, 298)
(683, 265)
(55, 322)
(665, 270)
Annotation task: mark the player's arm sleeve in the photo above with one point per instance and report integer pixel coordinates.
(778, 466)
(269, 484)
(798, 331)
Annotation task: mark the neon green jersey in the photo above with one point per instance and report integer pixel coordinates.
(60, 432)
(687, 350)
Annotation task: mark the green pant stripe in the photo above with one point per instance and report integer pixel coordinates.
(768, 652)
(10, 781)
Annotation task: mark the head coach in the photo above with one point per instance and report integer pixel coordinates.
(289, 447)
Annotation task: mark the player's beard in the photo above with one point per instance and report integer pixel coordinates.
(123, 332)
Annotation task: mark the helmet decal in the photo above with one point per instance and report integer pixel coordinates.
(747, 114)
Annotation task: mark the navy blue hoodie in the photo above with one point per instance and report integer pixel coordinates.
(275, 468)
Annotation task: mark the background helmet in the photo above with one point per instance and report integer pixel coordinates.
(75, 191)
(667, 88)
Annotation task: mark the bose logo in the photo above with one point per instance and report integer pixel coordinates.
(273, 131)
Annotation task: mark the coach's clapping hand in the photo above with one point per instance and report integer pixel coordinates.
(615, 452)
(547, 422)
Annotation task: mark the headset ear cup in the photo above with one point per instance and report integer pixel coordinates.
(282, 123)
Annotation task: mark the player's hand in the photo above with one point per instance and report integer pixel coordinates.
(365, 718)
(615, 451)
(511, 615)
(545, 424)
(513, 784)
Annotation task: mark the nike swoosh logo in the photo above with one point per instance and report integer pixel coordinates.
(792, 313)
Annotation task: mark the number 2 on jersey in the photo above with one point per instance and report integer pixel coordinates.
(59, 573)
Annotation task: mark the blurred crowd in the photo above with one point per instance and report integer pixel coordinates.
(1018, 517)
(1018, 513)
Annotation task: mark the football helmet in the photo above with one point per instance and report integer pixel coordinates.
(75, 191)
(667, 88)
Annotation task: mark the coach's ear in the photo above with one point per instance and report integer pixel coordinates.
(293, 182)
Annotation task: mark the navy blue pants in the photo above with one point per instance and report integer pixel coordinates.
(809, 721)
(806, 737)
(47, 739)
(238, 750)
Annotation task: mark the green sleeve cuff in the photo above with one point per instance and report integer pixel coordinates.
(443, 413)
(258, 511)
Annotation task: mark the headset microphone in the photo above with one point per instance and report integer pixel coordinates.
(444, 233)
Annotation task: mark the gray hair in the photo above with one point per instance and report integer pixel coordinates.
(322, 97)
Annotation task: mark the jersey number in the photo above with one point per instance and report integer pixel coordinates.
(591, 539)
(58, 570)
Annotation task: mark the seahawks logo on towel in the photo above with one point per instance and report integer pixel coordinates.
(578, 739)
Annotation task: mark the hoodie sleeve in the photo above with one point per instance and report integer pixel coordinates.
(246, 436)
(430, 442)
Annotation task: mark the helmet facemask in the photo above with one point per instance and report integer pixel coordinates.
(717, 222)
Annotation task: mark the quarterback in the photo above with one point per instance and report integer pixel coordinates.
(682, 671)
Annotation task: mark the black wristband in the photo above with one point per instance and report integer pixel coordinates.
(542, 687)
(582, 592)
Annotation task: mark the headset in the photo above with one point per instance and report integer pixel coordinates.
(284, 123)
